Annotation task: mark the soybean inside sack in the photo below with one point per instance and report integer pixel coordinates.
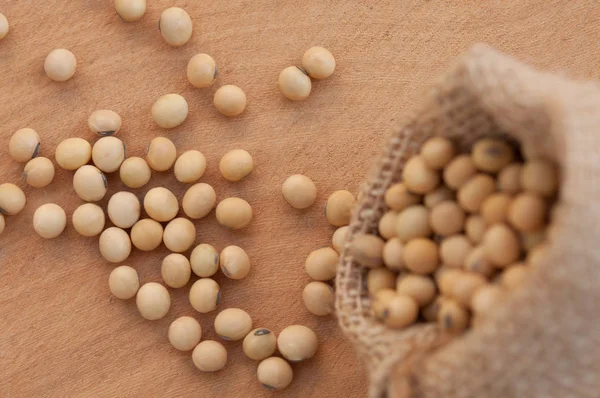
(544, 339)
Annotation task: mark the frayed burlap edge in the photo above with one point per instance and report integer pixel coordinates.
(486, 93)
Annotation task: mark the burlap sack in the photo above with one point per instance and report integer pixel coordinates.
(544, 340)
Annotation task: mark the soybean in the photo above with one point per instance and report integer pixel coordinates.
(169, 111)
(393, 254)
(515, 275)
(24, 145)
(88, 219)
(527, 212)
(486, 299)
(204, 260)
(475, 227)
(259, 344)
(209, 356)
(274, 373)
(294, 83)
(175, 26)
(459, 171)
(413, 222)
(73, 153)
(297, 343)
(153, 301)
(318, 298)
(198, 200)
(318, 62)
(161, 204)
(501, 245)
(104, 122)
(49, 220)
(454, 250)
(202, 71)
(4, 26)
(540, 177)
(439, 195)
(464, 285)
(477, 262)
(447, 218)
(175, 271)
(234, 262)
(491, 155)
(509, 178)
(233, 324)
(161, 154)
(474, 192)
(338, 238)
(185, 333)
(400, 312)
(299, 191)
(339, 207)
(205, 295)
(179, 235)
(379, 279)
(367, 250)
(437, 152)
(380, 301)
(321, 264)
(39, 172)
(124, 209)
(420, 288)
(12, 199)
(236, 164)
(147, 234)
(108, 153)
(452, 317)
(398, 197)
(124, 282)
(495, 208)
(418, 177)
(234, 213)
(135, 172)
(190, 166)
(60, 65)
(115, 245)
(421, 256)
(130, 10)
(230, 100)
(387, 225)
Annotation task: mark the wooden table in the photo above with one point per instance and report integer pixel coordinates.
(62, 332)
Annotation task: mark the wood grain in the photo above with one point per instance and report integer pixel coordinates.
(62, 333)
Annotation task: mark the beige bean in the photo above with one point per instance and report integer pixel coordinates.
(135, 172)
(367, 250)
(185, 333)
(418, 177)
(190, 166)
(437, 152)
(234, 213)
(153, 301)
(24, 145)
(234, 262)
(147, 234)
(179, 235)
(319, 298)
(73, 153)
(339, 207)
(397, 197)
(205, 295)
(297, 343)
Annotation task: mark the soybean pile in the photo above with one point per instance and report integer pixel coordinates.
(462, 230)
(160, 218)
